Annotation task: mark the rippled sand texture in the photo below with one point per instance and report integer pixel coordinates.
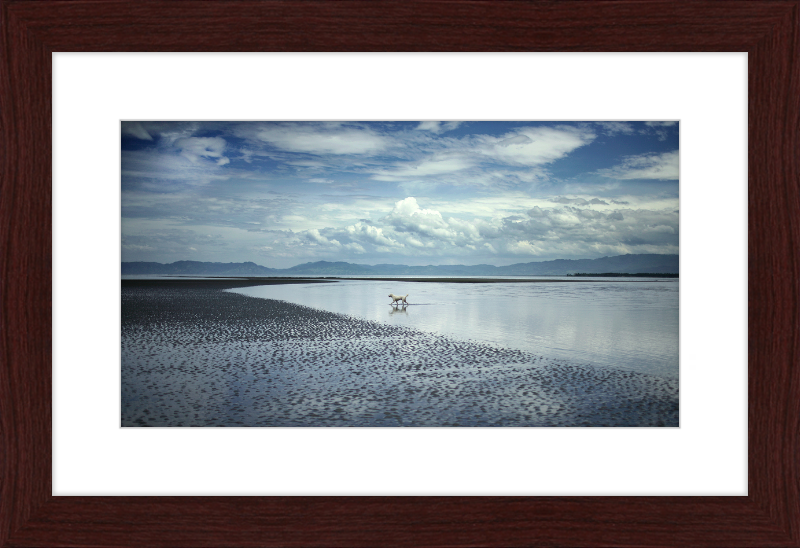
(198, 356)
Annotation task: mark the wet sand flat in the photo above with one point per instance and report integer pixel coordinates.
(194, 355)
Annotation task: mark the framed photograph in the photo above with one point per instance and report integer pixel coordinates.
(704, 90)
(31, 515)
(536, 266)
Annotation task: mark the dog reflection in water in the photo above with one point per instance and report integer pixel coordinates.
(399, 310)
(396, 298)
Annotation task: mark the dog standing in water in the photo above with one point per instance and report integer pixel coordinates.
(395, 298)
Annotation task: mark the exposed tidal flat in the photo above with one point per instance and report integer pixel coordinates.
(195, 355)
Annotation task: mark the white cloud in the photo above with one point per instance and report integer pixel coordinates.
(407, 216)
(425, 168)
(578, 201)
(166, 133)
(135, 247)
(483, 160)
(524, 247)
(159, 170)
(438, 127)
(659, 129)
(314, 236)
(645, 166)
(318, 139)
(534, 146)
(370, 234)
(636, 230)
(355, 248)
(195, 148)
(614, 128)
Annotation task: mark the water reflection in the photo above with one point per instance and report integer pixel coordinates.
(627, 325)
(399, 309)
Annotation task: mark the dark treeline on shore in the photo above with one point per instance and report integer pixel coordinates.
(623, 264)
(624, 275)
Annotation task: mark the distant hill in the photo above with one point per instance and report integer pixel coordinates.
(625, 264)
(325, 268)
(197, 268)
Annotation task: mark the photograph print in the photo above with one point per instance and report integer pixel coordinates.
(399, 273)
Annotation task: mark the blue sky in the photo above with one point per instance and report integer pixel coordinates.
(284, 193)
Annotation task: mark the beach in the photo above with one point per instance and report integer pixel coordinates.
(195, 355)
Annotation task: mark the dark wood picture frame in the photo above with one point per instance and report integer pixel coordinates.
(32, 30)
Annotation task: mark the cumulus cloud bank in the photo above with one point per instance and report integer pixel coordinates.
(410, 230)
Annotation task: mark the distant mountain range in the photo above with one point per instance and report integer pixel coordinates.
(626, 264)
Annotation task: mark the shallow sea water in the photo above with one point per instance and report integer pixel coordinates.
(630, 325)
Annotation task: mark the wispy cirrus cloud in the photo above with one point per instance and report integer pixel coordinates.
(425, 168)
(662, 166)
(615, 128)
(484, 160)
(438, 127)
(195, 148)
(534, 146)
(578, 201)
(320, 139)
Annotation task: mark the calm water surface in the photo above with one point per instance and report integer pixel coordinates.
(629, 325)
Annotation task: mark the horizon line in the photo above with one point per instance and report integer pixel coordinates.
(398, 264)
